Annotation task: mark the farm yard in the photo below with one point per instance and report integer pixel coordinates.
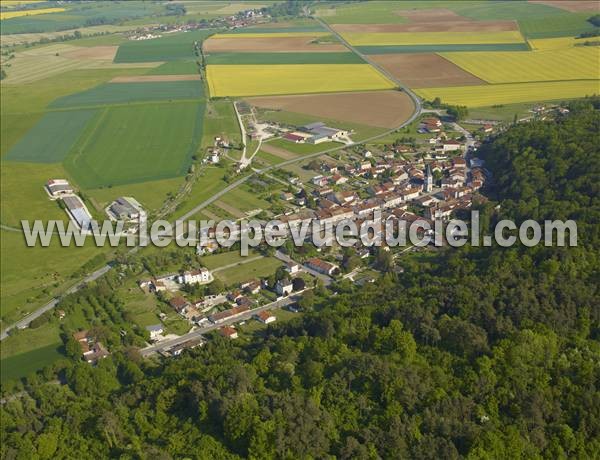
(254, 80)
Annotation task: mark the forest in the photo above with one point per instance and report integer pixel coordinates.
(474, 352)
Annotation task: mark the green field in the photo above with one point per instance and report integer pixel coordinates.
(283, 58)
(244, 199)
(556, 25)
(175, 68)
(126, 145)
(124, 93)
(377, 12)
(77, 15)
(50, 140)
(169, 47)
(220, 121)
(22, 365)
(247, 271)
(393, 49)
(302, 149)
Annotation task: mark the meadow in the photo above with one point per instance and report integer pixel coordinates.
(171, 47)
(125, 93)
(254, 80)
(50, 140)
(581, 63)
(283, 58)
(249, 270)
(21, 365)
(432, 38)
(487, 95)
(136, 144)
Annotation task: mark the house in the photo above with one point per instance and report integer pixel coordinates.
(265, 317)
(320, 266)
(189, 345)
(197, 276)
(228, 332)
(487, 128)
(179, 304)
(286, 196)
(337, 179)
(366, 208)
(292, 268)
(57, 188)
(91, 350)
(451, 145)
(284, 287)
(217, 318)
(155, 331)
(459, 162)
(319, 181)
(251, 287)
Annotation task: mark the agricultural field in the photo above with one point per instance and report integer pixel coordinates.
(384, 109)
(268, 43)
(581, 63)
(488, 95)
(422, 70)
(220, 121)
(32, 12)
(124, 145)
(432, 38)
(249, 270)
(395, 49)
(283, 58)
(254, 80)
(130, 92)
(173, 47)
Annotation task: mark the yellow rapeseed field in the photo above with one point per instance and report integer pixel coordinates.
(580, 63)
(432, 38)
(545, 44)
(256, 80)
(486, 95)
(16, 14)
(271, 35)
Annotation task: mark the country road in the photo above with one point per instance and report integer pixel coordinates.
(95, 275)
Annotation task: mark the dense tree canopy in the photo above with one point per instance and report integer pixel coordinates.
(473, 352)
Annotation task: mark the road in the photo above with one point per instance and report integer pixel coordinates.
(418, 109)
(243, 161)
(166, 344)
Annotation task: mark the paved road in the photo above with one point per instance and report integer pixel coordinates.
(167, 344)
(23, 323)
(418, 109)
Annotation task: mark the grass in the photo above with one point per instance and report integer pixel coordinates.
(432, 38)
(394, 49)
(581, 63)
(220, 121)
(210, 182)
(503, 112)
(302, 149)
(556, 25)
(225, 258)
(19, 366)
(50, 140)
(255, 269)
(254, 80)
(169, 47)
(175, 68)
(481, 96)
(126, 145)
(376, 12)
(268, 158)
(244, 199)
(124, 93)
(283, 58)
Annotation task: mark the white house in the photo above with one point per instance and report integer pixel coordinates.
(265, 317)
(155, 331)
(284, 287)
(199, 276)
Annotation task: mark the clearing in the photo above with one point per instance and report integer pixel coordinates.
(422, 70)
(256, 80)
(385, 109)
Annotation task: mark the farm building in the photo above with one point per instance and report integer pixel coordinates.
(126, 208)
(320, 133)
(78, 212)
(58, 188)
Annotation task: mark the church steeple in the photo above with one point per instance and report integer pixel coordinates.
(428, 179)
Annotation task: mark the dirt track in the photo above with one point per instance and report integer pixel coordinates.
(425, 70)
(277, 44)
(383, 109)
(150, 78)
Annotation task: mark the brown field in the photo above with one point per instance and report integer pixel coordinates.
(93, 52)
(425, 70)
(276, 44)
(149, 78)
(441, 26)
(383, 109)
(573, 6)
(278, 151)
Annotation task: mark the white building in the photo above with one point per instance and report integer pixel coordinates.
(199, 276)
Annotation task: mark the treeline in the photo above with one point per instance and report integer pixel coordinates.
(470, 353)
